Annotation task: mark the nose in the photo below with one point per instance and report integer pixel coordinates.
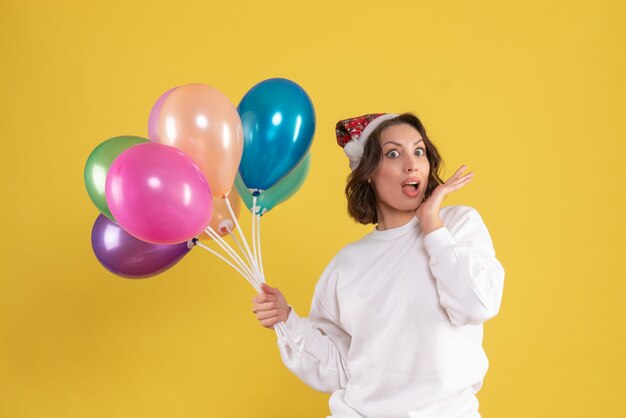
(410, 164)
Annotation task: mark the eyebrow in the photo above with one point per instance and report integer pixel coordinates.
(398, 144)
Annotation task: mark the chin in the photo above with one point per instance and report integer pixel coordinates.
(413, 203)
(407, 206)
(400, 203)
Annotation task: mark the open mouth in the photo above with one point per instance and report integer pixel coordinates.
(411, 188)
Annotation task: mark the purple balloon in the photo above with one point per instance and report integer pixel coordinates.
(153, 120)
(158, 195)
(124, 255)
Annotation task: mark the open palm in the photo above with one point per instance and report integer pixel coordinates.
(431, 206)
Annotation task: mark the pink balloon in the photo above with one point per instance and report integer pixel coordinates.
(153, 120)
(157, 194)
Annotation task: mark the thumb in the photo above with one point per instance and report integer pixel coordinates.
(267, 289)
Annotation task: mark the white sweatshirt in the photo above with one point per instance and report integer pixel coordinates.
(395, 327)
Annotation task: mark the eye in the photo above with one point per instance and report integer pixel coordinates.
(393, 154)
(419, 152)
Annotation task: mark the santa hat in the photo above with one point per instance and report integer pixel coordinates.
(353, 133)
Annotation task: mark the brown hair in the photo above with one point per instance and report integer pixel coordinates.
(360, 194)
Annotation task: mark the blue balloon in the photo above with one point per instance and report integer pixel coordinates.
(278, 193)
(278, 126)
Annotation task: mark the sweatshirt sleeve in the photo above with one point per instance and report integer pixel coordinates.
(321, 346)
(469, 277)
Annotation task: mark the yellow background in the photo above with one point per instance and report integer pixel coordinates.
(530, 95)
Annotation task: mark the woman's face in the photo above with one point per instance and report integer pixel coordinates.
(400, 180)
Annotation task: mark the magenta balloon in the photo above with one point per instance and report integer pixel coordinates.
(157, 194)
(153, 120)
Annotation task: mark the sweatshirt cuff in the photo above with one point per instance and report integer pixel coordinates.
(292, 320)
(437, 241)
(297, 329)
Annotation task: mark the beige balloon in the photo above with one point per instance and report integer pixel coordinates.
(202, 122)
(221, 220)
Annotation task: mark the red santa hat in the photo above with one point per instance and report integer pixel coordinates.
(353, 133)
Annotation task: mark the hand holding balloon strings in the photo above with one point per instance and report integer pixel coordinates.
(157, 197)
(253, 271)
(278, 124)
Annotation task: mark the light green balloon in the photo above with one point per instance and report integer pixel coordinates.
(278, 193)
(97, 168)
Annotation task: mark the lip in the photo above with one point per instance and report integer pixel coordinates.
(411, 180)
(410, 191)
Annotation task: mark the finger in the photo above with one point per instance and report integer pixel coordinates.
(274, 313)
(461, 169)
(264, 297)
(269, 323)
(458, 173)
(448, 187)
(271, 290)
(452, 181)
(458, 185)
(267, 306)
(466, 177)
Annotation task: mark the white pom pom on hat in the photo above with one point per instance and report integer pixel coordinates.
(353, 133)
(354, 150)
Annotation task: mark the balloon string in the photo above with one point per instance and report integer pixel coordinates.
(253, 264)
(258, 222)
(198, 243)
(220, 241)
(243, 251)
(234, 237)
(279, 328)
(240, 248)
(254, 243)
(230, 251)
(234, 256)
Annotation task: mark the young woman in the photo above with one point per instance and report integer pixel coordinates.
(395, 327)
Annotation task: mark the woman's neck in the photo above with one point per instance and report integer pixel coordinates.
(393, 219)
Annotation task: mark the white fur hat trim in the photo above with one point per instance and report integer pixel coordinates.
(354, 149)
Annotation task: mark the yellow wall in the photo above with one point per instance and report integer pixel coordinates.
(530, 95)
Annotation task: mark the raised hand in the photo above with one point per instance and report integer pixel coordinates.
(428, 210)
